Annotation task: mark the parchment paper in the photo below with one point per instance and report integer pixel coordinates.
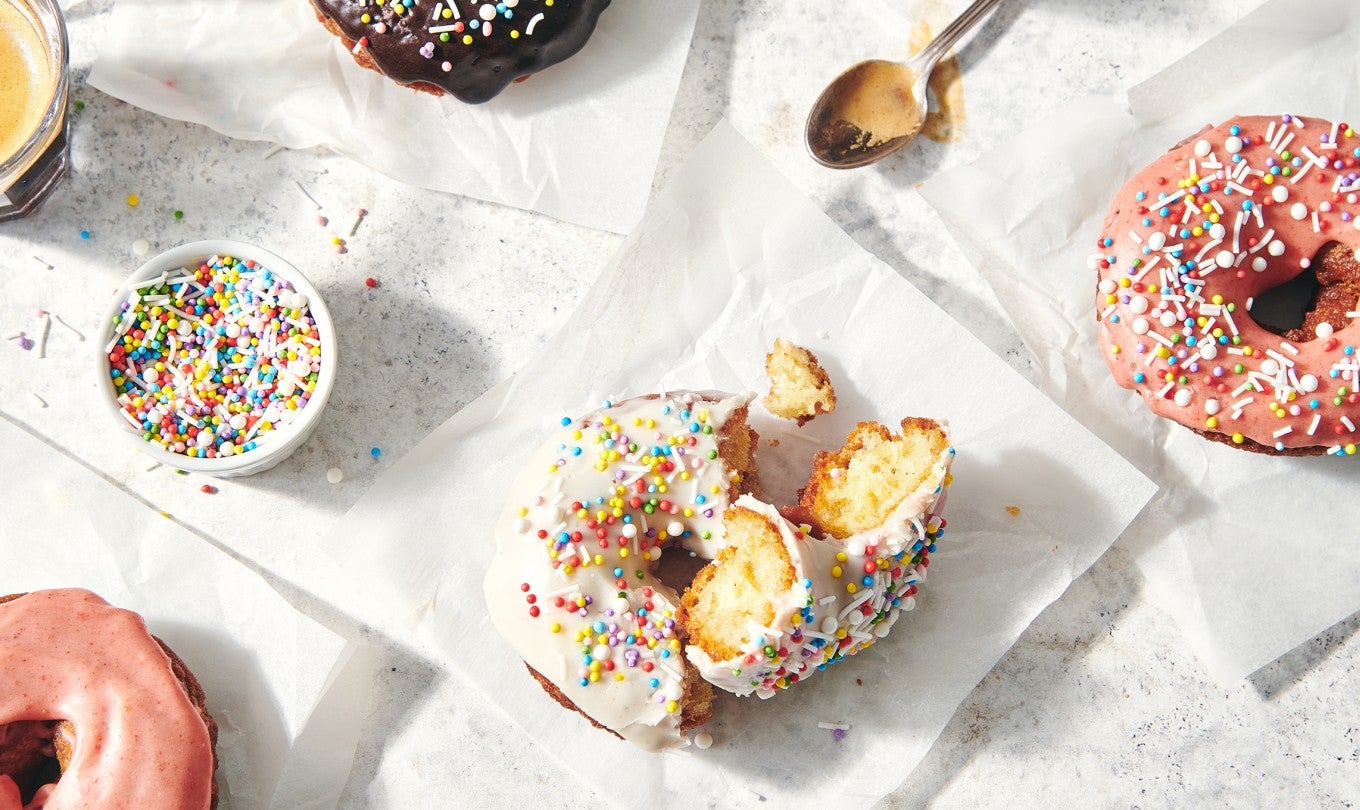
(1252, 555)
(284, 690)
(730, 256)
(578, 141)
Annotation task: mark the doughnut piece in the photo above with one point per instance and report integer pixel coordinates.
(470, 49)
(784, 601)
(1196, 243)
(85, 684)
(574, 588)
(800, 388)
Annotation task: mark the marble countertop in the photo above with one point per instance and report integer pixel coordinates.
(1101, 701)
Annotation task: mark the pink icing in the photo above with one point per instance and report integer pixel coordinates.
(1246, 382)
(140, 743)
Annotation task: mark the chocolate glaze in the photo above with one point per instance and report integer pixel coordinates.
(481, 68)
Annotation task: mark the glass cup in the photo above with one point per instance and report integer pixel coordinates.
(34, 83)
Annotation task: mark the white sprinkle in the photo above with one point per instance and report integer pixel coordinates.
(1346, 420)
(1317, 419)
(68, 327)
(335, 475)
(1282, 431)
(41, 402)
(42, 335)
(1183, 397)
(273, 150)
(529, 30)
(308, 196)
(834, 726)
(703, 740)
(442, 29)
(141, 247)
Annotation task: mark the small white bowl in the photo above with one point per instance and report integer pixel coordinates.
(272, 446)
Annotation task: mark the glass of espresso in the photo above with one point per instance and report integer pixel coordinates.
(33, 88)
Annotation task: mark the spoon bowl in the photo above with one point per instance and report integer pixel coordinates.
(878, 106)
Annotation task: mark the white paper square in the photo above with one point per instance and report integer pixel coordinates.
(578, 141)
(1251, 555)
(730, 256)
(282, 688)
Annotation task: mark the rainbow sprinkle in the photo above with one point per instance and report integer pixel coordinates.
(208, 362)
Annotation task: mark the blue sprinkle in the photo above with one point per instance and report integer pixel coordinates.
(375, 452)
(566, 420)
(84, 234)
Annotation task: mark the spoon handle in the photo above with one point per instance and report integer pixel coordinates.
(931, 53)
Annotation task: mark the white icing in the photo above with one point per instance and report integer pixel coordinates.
(634, 705)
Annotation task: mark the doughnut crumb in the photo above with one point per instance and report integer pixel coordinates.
(800, 388)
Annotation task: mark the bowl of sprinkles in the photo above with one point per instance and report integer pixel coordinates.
(218, 358)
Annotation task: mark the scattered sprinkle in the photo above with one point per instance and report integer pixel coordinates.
(359, 215)
(370, 282)
(133, 199)
(309, 197)
(703, 741)
(179, 214)
(84, 234)
(335, 475)
(141, 247)
(208, 489)
(41, 402)
(272, 151)
(1013, 511)
(80, 105)
(79, 336)
(375, 452)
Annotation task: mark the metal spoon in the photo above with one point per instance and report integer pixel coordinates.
(876, 107)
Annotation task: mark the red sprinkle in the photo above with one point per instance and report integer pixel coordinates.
(370, 282)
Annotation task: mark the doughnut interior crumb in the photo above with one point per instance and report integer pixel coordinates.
(858, 487)
(799, 387)
(732, 595)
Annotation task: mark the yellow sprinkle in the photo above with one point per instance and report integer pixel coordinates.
(555, 627)
(1211, 422)
(133, 199)
(851, 587)
(672, 706)
(1238, 438)
(836, 571)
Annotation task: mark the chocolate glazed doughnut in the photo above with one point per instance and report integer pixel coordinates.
(1194, 250)
(468, 48)
(85, 690)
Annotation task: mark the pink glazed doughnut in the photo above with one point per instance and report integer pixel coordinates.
(1188, 246)
(83, 683)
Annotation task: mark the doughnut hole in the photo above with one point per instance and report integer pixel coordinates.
(29, 753)
(733, 594)
(1323, 293)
